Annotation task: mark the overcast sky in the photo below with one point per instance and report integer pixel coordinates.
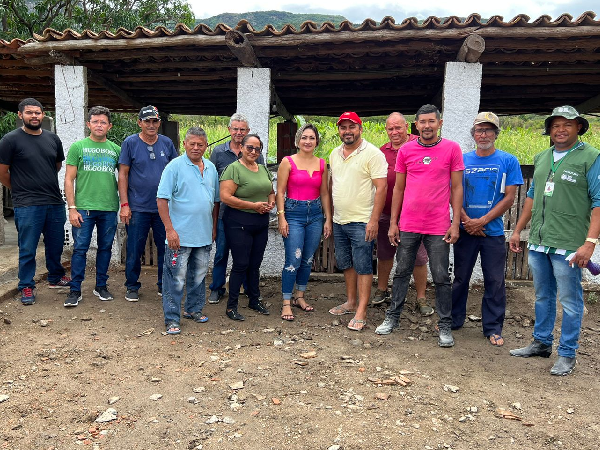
(358, 10)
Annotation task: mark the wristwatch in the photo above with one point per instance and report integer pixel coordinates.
(592, 240)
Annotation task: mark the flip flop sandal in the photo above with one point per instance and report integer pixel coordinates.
(340, 310)
(173, 328)
(357, 324)
(496, 340)
(196, 316)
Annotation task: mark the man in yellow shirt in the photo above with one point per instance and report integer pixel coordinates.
(359, 183)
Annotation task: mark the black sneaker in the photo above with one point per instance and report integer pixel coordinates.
(216, 296)
(73, 299)
(62, 283)
(132, 295)
(260, 308)
(234, 315)
(160, 291)
(102, 293)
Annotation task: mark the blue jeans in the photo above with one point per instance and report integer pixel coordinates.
(492, 250)
(31, 222)
(137, 234)
(106, 226)
(305, 223)
(187, 266)
(439, 261)
(219, 272)
(351, 249)
(551, 273)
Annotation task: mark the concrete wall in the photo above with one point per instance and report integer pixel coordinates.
(254, 100)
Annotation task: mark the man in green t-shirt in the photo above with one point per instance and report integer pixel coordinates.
(93, 201)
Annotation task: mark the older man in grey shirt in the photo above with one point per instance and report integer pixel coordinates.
(221, 157)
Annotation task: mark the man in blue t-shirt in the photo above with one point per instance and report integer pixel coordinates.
(141, 163)
(188, 204)
(490, 183)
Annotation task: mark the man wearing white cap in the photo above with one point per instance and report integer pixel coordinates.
(359, 187)
(490, 183)
(563, 204)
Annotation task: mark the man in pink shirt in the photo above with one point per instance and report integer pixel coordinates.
(428, 179)
(397, 131)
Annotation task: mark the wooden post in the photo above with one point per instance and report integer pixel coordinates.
(471, 50)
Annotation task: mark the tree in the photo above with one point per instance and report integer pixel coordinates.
(23, 18)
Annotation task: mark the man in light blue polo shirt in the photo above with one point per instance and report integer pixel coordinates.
(188, 204)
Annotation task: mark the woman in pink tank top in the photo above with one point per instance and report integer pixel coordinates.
(303, 212)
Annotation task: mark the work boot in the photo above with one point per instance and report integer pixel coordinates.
(380, 296)
(423, 307)
(536, 348)
(563, 366)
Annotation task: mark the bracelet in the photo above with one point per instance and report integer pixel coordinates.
(72, 207)
(281, 211)
(592, 240)
(124, 204)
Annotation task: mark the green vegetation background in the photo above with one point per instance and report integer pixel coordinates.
(521, 135)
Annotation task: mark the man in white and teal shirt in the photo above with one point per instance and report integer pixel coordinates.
(563, 205)
(93, 201)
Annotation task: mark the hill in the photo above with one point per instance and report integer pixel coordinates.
(259, 19)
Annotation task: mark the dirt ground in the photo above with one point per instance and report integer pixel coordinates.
(269, 384)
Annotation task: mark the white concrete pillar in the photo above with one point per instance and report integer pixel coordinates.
(460, 102)
(254, 100)
(71, 95)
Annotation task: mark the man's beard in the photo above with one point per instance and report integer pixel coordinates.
(32, 127)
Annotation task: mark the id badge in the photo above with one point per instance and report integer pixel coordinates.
(549, 188)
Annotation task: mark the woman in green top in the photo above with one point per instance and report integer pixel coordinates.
(247, 189)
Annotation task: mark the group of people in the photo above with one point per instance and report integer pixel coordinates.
(401, 195)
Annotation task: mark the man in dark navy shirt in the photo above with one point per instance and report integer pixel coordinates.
(141, 163)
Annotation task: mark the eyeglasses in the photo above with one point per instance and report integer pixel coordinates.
(252, 149)
(239, 130)
(484, 131)
(151, 150)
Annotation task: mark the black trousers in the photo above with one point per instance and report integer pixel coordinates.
(247, 235)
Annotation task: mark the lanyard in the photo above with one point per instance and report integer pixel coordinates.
(554, 168)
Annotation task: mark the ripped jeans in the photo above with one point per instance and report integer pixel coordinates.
(305, 222)
(184, 267)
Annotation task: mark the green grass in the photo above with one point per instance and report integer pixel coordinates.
(522, 141)
(521, 135)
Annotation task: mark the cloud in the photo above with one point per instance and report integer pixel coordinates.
(357, 11)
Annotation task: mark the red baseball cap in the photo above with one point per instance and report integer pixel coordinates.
(351, 116)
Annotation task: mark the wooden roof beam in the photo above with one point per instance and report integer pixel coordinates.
(114, 89)
(589, 105)
(241, 47)
(471, 49)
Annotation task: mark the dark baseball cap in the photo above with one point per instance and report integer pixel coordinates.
(148, 112)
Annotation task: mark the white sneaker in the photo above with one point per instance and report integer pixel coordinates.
(387, 326)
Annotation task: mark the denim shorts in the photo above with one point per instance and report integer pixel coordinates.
(387, 251)
(351, 249)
